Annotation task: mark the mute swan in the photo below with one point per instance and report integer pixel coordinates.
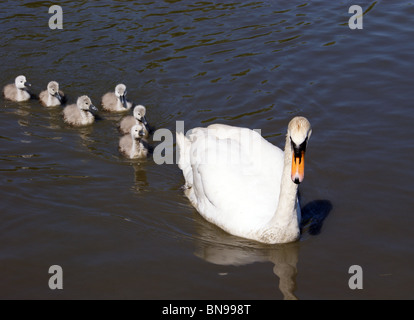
(116, 101)
(244, 184)
(138, 117)
(81, 113)
(52, 97)
(132, 145)
(17, 91)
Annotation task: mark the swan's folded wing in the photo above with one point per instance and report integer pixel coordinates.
(235, 181)
(43, 97)
(10, 91)
(109, 101)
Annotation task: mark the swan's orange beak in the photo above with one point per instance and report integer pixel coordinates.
(298, 166)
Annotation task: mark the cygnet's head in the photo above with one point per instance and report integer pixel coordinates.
(84, 103)
(137, 131)
(120, 92)
(139, 114)
(21, 82)
(299, 132)
(53, 89)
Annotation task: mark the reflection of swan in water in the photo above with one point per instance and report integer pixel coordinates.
(85, 135)
(24, 113)
(140, 177)
(228, 250)
(55, 118)
(218, 247)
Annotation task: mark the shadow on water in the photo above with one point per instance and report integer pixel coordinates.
(313, 215)
(217, 247)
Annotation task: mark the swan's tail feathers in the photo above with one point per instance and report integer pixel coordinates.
(183, 158)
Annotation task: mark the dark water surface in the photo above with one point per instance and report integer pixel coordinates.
(124, 230)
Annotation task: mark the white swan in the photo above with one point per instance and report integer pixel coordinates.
(244, 184)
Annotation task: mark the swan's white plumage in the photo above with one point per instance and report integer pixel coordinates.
(233, 178)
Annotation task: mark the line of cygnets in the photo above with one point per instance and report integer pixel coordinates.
(135, 129)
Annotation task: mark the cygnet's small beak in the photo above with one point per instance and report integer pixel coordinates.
(58, 96)
(141, 132)
(123, 101)
(144, 121)
(93, 109)
(27, 84)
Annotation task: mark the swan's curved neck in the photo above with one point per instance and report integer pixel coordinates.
(133, 146)
(50, 99)
(286, 212)
(21, 92)
(83, 114)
